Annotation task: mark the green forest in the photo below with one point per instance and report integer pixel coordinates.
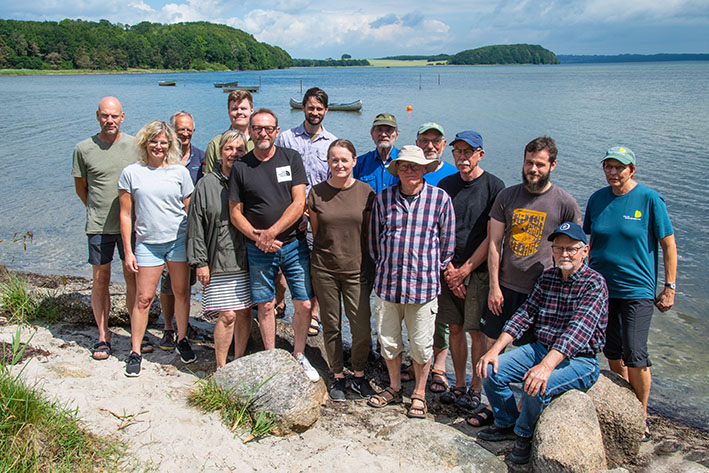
(505, 54)
(78, 44)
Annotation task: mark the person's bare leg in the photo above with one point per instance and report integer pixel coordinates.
(101, 299)
(618, 367)
(478, 347)
(130, 278)
(267, 324)
(146, 284)
(641, 380)
(242, 332)
(301, 322)
(459, 352)
(180, 278)
(167, 304)
(394, 370)
(421, 374)
(314, 310)
(280, 290)
(223, 333)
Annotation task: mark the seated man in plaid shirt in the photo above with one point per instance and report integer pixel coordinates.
(568, 309)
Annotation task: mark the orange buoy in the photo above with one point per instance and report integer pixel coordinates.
(409, 108)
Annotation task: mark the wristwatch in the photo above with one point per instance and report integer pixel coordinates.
(671, 285)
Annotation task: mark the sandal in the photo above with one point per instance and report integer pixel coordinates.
(483, 418)
(386, 397)
(314, 328)
(470, 400)
(406, 373)
(452, 395)
(281, 311)
(417, 412)
(647, 435)
(146, 346)
(101, 351)
(439, 382)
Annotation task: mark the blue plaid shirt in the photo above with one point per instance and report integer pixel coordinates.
(568, 316)
(411, 243)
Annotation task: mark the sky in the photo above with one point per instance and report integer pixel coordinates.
(320, 29)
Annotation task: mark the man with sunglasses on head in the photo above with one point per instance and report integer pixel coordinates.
(568, 312)
(266, 203)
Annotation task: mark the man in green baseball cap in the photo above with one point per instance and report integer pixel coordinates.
(371, 167)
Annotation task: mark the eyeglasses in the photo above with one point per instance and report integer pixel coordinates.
(570, 250)
(406, 167)
(426, 141)
(468, 152)
(609, 167)
(268, 129)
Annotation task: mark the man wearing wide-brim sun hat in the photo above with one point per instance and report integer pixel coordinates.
(411, 240)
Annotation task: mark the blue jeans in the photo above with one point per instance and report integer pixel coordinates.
(575, 373)
(294, 261)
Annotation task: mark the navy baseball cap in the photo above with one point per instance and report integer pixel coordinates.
(471, 137)
(571, 230)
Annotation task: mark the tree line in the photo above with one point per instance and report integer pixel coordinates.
(505, 54)
(329, 62)
(78, 44)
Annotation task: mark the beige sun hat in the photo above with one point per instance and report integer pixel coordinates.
(412, 154)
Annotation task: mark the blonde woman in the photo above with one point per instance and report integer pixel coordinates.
(157, 191)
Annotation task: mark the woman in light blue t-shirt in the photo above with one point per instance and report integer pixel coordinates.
(156, 190)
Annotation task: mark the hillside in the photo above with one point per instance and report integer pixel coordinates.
(505, 54)
(78, 44)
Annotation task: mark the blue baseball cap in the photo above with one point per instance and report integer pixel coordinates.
(471, 137)
(571, 230)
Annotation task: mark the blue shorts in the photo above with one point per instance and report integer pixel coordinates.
(102, 247)
(294, 261)
(155, 254)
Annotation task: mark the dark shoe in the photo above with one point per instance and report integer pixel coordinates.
(407, 373)
(360, 385)
(167, 342)
(193, 335)
(133, 365)
(146, 346)
(185, 351)
(417, 412)
(497, 434)
(314, 328)
(522, 450)
(470, 400)
(281, 311)
(337, 390)
(647, 435)
(452, 395)
(101, 351)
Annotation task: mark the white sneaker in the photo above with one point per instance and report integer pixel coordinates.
(310, 372)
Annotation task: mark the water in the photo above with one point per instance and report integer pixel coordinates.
(657, 109)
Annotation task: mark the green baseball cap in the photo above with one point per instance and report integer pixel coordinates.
(385, 119)
(622, 154)
(431, 126)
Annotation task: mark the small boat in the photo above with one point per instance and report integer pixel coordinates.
(167, 83)
(221, 85)
(250, 88)
(355, 106)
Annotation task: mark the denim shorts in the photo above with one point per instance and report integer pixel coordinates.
(155, 254)
(102, 248)
(294, 261)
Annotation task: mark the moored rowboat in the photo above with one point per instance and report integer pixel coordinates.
(250, 88)
(167, 83)
(355, 106)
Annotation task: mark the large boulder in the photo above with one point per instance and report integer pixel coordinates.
(567, 438)
(273, 382)
(620, 415)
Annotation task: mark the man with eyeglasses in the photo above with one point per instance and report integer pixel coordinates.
(411, 240)
(266, 203)
(193, 159)
(372, 167)
(522, 217)
(568, 312)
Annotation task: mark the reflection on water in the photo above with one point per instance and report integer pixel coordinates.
(656, 109)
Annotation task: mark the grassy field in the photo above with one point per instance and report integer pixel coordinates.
(397, 63)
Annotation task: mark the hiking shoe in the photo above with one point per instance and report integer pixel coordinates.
(167, 342)
(522, 450)
(361, 386)
(185, 351)
(337, 390)
(310, 372)
(133, 365)
(495, 433)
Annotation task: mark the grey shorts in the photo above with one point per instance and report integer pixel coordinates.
(466, 312)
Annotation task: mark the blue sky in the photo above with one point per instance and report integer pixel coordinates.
(376, 28)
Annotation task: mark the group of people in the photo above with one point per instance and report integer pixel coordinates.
(447, 249)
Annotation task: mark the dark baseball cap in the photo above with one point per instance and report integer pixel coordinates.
(571, 230)
(471, 137)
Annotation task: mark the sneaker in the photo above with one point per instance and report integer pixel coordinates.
(310, 372)
(360, 385)
(522, 450)
(133, 365)
(337, 390)
(167, 342)
(185, 351)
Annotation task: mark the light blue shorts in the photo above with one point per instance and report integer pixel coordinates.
(155, 254)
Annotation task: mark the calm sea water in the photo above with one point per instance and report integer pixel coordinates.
(657, 109)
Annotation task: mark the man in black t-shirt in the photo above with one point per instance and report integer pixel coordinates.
(465, 281)
(266, 203)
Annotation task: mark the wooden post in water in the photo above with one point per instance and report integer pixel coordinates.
(419, 81)
(439, 78)
(259, 82)
(301, 87)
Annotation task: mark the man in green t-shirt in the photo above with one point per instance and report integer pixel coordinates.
(240, 106)
(97, 165)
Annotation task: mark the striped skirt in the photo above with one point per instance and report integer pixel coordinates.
(227, 292)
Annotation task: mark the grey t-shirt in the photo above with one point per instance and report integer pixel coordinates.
(157, 194)
(101, 164)
(529, 220)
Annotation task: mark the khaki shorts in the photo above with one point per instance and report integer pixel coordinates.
(466, 312)
(420, 320)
